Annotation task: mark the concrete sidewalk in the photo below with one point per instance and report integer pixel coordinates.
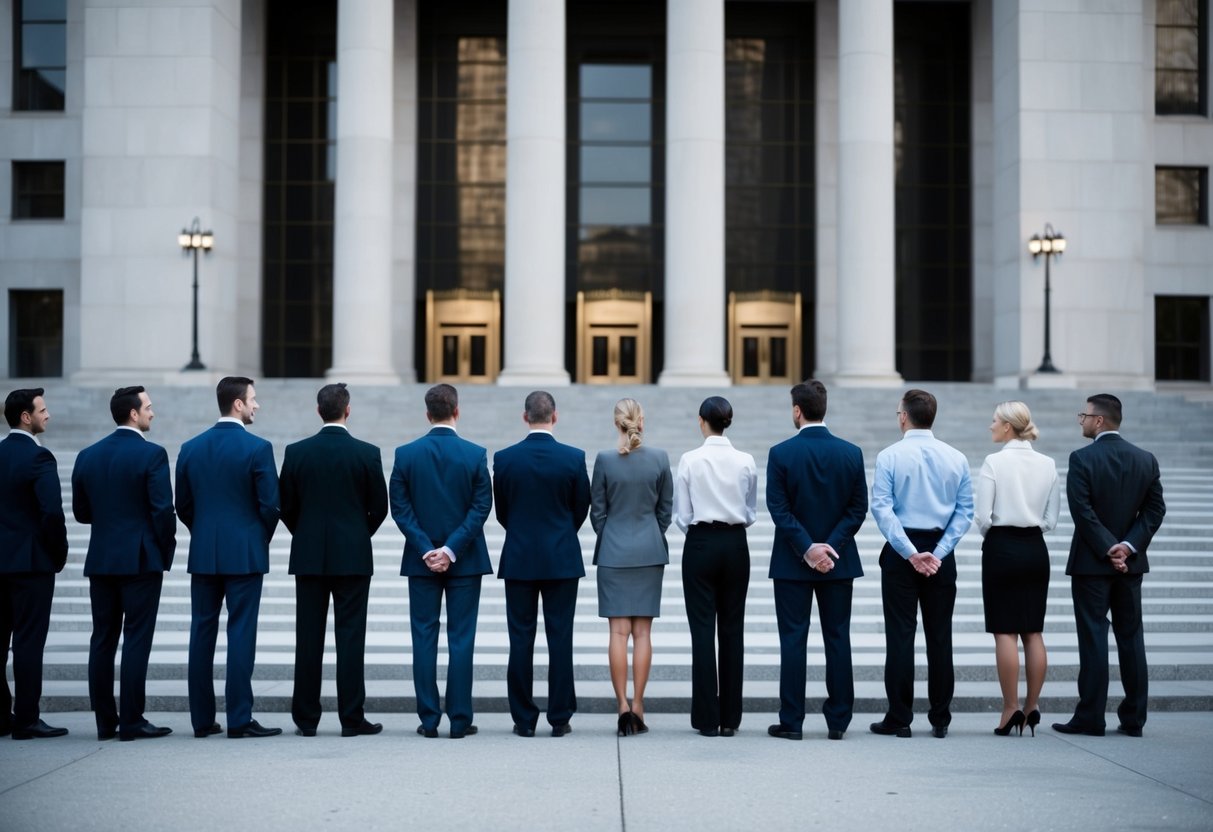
(669, 779)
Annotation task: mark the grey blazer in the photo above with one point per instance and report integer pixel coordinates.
(631, 505)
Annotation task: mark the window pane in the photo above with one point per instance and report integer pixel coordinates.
(616, 122)
(616, 164)
(616, 206)
(599, 366)
(616, 81)
(44, 44)
(44, 10)
(627, 355)
(1177, 196)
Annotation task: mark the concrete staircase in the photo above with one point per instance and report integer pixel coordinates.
(1178, 594)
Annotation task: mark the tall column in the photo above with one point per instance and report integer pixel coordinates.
(404, 190)
(362, 237)
(866, 293)
(694, 208)
(534, 195)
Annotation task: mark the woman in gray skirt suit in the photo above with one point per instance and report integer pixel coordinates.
(631, 496)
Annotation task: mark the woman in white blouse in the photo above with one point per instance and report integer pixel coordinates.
(715, 499)
(1016, 503)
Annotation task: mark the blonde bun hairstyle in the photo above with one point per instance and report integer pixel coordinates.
(628, 416)
(1017, 415)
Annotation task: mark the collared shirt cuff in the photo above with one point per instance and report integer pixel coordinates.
(449, 553)
(1132, 548)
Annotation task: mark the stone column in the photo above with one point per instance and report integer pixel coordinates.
(534, 195)
(404, 177)
(362, 236)
(866, 296)
(694, 209)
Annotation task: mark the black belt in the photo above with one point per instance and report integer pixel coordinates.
(718, 524)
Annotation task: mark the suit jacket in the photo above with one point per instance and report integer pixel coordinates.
(440, 496)
(121, 486)
(334, 499)
(33, 530)
(816, 493)
(542, 495)
(631, 506)
(227, 496)
(1115, 495)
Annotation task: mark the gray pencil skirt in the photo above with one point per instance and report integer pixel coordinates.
(629, 591)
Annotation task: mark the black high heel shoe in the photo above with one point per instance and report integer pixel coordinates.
(1016, 721)
(625, 723)
(1033, 721)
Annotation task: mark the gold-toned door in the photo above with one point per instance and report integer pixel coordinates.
(614, 331)
(463, 336)
(764, 337)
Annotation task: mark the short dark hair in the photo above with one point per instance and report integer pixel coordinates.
(331, 401)
(229, 389)
(441, 402)
(920, 407)
(810, 397)
(124, 400)
(540, 407)
(717, 412)
(1107, 406)
(18, 402)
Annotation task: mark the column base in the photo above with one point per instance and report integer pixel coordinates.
(364, 376)
(534, 377)
(693, 378)
(862, 379)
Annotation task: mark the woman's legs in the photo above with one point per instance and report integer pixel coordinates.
(1036, 660)
(1006, 656)
(642, 660)
(617, 654)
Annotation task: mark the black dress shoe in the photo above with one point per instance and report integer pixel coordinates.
(469, 731)
(146, 731)
(254, 730)
(561, 730)
(362, 729)
(784, 732)
(1128, 730)
(523, 731)
(428, 733)
(887, 729)
(709, 732)
(202, 733)
(104, 734)
(1071, 728)
(728, 732)
(835, 734)
(38, 731)
(939, 731)
(305, 732)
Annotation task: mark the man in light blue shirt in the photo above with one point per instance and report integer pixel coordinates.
(922, 500)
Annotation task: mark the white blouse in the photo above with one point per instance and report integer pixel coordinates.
(1017, 487)
(715, 483)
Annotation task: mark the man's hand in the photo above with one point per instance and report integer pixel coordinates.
(1119, 555)
(437, 560)
(821, 556)
(925, 563)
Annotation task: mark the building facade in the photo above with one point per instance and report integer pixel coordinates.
(535, 192)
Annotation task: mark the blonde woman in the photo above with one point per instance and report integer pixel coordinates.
(630, 509)
(1016, 502)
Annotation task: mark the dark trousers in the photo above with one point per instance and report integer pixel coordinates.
(462, 608)
(1094, 597)
(521, 614)
(207, 593)
(124, 606)
(715, 579)
(793, 612)
(903, 590)
(25, 616)
(349, 594)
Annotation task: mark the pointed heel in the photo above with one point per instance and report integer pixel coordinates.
(1032, 721)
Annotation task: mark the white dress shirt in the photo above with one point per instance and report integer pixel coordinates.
(1017, 487)
(33, 438)
(716, 483)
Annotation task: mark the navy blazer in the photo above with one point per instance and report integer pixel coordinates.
(334, 499)
(440, 495)
(816, 493)
(542, 497)
(1115, 496)
(227, 496)
(121, 486)
(33, 530)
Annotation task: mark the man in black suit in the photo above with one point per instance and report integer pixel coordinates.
(121, 486)
(1116, 502)
(334, 499)
(33, 547)
(542, 494)
(818, 497)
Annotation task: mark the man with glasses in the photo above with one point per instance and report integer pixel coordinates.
(1116, 502)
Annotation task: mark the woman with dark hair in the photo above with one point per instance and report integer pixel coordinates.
(715, 499)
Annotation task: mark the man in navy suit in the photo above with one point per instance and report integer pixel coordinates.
(440, 496)
(818, 497)
(121, 486)
(1115, 497)
(33, 547)
(333, 501)
(542, 496)
(227, 495)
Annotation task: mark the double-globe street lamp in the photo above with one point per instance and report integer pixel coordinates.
(1051, 245)
(194, 239)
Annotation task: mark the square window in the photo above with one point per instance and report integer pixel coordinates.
(37, 190)
(1181, 196)
(39, 54)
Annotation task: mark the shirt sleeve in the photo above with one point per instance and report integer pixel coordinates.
(882, 508)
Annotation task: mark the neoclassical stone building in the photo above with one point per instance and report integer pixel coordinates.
(544, 191)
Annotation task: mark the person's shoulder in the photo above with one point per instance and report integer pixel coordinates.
(659, 456)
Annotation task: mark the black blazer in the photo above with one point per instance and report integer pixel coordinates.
(334, 498)
(33, 530)
(1115, 495)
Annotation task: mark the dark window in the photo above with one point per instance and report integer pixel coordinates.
(35, 326)
(1181, 57)
(1181, 338)
(40, 54)
(1181, 196)
(37, 190)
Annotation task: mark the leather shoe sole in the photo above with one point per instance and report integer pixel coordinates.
(783, 732)
(709, 732)
(202, 733)
(254, 730)
(428, 733)
(561, 730)
(524, 732)
(365, 729)
(1128, 731)
(886, 730)
(939, 731)
(836, 735)
(469, 731)
(144, 732)
(38, 731)
(728, 732)
(1071, 728)
(305, 732)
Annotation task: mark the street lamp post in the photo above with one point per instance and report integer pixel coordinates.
(1051, 245)
(194, 239)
